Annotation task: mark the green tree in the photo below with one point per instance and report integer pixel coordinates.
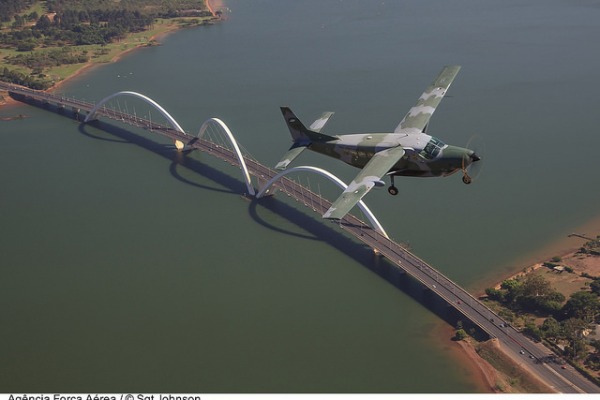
(536, 285)
(26, 46)
(533, 331)
(595, 286)
(572, 328)
(550, 328)
(513, 288)
(43, 23)
(576, 349)
(495, 294)
(460, 334)
(583, 305)
(19, 22)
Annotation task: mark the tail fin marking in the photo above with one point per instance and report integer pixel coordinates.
(300, 133)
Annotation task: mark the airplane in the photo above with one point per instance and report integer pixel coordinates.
(408, 151)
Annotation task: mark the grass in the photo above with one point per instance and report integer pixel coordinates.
(517, 378)
(564, 282)
(39, 7)
(109, 52)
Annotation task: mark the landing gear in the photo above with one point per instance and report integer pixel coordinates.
(393, 190)
(467, 179)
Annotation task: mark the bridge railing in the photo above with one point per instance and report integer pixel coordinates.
(216, 138)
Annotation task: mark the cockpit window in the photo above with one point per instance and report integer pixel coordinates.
(432, 149)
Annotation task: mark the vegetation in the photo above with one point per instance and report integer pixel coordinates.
(460, 334)
(10, 8)
(517, 380)
(591, 247)
(545, 314)
(38, 36)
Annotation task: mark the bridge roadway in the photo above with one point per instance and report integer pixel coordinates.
(536, 356)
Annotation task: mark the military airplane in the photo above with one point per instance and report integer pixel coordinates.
(408, 151)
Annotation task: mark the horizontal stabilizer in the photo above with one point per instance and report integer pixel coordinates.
(291, 154)
(321, 121)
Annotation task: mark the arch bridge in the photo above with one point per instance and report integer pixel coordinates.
(372, 235)
(212, 127)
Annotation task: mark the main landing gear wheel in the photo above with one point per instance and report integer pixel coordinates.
(467, 179)
(393, 190)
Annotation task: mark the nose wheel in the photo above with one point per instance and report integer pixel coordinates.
(467, 179)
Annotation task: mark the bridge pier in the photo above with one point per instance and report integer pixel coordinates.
(180, 146)
(262, 184)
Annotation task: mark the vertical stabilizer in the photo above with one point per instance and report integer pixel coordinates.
(300, 133)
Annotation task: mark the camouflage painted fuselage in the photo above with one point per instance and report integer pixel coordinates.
(425, 156)
(408, 151)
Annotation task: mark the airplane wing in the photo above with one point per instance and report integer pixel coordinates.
(371, 174)
(418, 117)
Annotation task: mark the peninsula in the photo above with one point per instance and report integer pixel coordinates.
(553, 300)
(44, 43)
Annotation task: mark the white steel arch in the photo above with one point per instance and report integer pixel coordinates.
(307, 168)
(147, 99)
(234, 143)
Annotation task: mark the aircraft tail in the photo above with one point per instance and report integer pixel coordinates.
(300, 133)
(302, 136)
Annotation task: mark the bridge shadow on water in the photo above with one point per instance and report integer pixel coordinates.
(331, 233)
(178, 159)
(124, 136)
(315, 227)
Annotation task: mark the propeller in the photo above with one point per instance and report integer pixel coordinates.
(472, 163)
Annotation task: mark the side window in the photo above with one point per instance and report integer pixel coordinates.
(432, 149)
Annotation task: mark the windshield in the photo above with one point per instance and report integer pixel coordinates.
(432, 149)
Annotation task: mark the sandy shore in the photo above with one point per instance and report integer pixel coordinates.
(564, 247)
(211, 5)
(560, 246)
(482, 374)
(7, 101)
(90, 65)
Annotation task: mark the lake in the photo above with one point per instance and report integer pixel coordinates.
(126, 267)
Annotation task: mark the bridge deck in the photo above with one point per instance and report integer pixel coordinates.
(400, 257)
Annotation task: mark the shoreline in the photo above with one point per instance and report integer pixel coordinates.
(562, 247)
(465, 352)
(559, 246)
(87, 67)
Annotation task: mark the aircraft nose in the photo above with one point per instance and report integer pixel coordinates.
(475, 157)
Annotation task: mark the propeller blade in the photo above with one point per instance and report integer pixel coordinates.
(474, 166)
